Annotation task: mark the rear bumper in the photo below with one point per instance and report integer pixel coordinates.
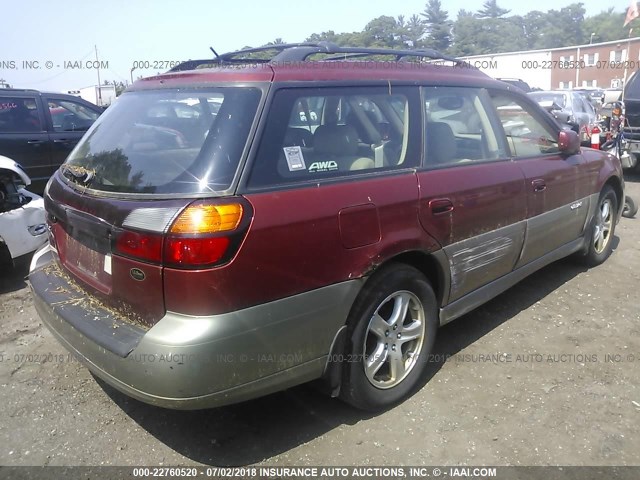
(198, 362)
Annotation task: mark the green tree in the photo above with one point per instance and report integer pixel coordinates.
(533, 25)
(489, 30)
(475, 36)
(438, 26)
(563, 27)
(608, 25)
(383, 32)
(415, 31)
(490, 9)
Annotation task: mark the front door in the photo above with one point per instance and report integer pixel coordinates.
(556, 203)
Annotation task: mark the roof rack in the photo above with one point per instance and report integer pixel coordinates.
(299, 52)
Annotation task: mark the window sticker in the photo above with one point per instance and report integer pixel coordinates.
(329, 166)
(295, 159)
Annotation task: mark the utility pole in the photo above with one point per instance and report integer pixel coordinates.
(99, 84)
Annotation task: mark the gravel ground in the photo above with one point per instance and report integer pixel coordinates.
(545, 374)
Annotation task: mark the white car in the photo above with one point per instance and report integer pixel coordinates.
(23, 227)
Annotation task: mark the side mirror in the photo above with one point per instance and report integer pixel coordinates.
(568, 142)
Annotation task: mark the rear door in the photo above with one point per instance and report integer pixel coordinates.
(334, 187)
(472, 195)
(23, 135)
(557, 187)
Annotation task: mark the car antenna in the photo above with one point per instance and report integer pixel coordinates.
(214, 52)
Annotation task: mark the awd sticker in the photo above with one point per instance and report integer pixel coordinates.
(295, 159)
(323, 166)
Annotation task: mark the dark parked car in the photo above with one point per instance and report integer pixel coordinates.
(631, 128)
(38, 129)
(321, 224)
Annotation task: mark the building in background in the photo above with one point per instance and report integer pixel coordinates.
(602, 65)
(516, 65)
(102, 95)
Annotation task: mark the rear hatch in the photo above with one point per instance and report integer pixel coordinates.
(149, 186)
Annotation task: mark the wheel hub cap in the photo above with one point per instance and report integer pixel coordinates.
(388, 358)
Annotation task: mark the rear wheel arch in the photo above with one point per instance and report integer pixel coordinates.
(616, 184)
(428, 265)
(425, 263)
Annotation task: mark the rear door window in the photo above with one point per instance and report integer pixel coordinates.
(166, 141)
(19, 115)
(319, 133)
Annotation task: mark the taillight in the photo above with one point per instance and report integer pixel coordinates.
(195, 251)
(204, 234)
(140, 245)
(201, 218)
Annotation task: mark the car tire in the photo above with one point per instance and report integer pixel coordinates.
(603, 225)
(386, 351)
(630, 207)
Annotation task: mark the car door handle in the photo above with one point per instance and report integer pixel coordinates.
(539, 185)
(35, 142)
(440, 206)
(61, 140)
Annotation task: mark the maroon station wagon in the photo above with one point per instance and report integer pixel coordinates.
(241, 225)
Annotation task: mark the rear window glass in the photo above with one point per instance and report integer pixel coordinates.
(166, 141)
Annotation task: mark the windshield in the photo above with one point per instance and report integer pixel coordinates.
(557, 98)
(166, 141)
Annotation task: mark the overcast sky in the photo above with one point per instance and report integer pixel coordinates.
(126, 31)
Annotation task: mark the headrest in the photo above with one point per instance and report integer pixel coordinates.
(338, 140)
(441, 143)
(298, 137)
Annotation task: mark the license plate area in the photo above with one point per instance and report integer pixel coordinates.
(84, 248)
